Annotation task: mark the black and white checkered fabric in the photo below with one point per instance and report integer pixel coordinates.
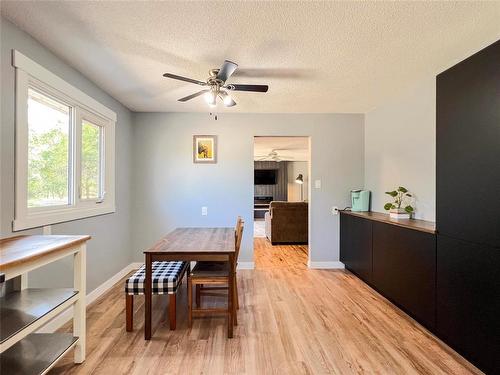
(166, 278)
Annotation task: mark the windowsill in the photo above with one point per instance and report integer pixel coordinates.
(41, 219)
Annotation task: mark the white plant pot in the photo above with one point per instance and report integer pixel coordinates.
(399, 213)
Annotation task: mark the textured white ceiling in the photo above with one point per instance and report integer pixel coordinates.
(288, 148)
(315, 56)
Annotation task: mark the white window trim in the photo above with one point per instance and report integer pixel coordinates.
(85, 107)
(95, 120)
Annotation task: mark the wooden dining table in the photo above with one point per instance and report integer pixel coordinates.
(192, 244)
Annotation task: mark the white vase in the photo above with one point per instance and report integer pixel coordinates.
(399, 213)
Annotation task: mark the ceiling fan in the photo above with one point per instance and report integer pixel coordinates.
(273, 156)
(216, 86)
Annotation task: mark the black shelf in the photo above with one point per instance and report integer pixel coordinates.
(20, 309)
(36, 353)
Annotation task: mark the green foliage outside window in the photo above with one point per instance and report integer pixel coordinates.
(48, 164)
(90, 161)
(48, 167)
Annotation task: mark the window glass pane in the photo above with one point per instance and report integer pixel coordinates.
(91, 161)
(48, 151)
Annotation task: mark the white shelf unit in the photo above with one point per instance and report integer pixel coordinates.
(24, 311)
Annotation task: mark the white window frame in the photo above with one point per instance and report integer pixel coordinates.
(101, 123)
(29, 74)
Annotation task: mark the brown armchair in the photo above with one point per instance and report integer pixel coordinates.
(287, 222)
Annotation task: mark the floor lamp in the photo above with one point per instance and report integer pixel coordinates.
(300, 180)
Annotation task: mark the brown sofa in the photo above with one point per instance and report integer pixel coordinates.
(287, 222)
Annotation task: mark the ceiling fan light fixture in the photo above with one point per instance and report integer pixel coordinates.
(210, 98)
(228, 101)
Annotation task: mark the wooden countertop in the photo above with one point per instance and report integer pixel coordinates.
(416, 224)
(20, 249)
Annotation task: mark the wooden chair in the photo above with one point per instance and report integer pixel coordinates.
(215, 274)
(213, 291)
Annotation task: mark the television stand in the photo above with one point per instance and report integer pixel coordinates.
(261, 205)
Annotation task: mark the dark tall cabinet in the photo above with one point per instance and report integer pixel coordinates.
(468, 208)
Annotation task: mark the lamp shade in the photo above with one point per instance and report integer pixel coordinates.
(299, 179)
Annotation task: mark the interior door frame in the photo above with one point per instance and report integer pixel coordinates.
(309, 188)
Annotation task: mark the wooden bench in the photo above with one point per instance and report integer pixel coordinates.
(167, 276)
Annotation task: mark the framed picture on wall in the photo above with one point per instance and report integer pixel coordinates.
(205, 149)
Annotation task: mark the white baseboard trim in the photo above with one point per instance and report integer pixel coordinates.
(246, 265)
(136, 265)
(326, 265)
(63, 318)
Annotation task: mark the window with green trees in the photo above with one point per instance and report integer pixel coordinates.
(50, 152)
(65, 150)
(90, 185)
(49, 123)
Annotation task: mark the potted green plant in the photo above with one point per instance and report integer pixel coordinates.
(400, 208)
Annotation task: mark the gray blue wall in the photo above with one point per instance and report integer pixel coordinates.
(400, 148)
(110, 248)
(169, 190)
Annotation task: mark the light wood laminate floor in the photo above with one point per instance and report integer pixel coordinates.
(291, 321)
(284, 257)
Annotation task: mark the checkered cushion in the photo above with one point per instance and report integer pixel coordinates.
(166, 277)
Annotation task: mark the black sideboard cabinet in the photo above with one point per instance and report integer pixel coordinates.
(356, 245)
(404, 269)
(397, 261)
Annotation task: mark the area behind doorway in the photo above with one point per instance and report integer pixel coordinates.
(281, 207)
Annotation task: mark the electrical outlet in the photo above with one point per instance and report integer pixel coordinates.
(335, 210)
(204, 211)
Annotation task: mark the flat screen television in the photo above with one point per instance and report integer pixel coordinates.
(265, 176)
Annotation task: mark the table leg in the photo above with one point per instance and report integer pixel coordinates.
(235, 301)
(230, 298)
(79, 310)
(148, 288)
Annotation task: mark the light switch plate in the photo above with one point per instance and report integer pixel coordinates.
(204, 211)
(317, 184)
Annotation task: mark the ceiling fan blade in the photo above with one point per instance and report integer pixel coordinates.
(185, 79)
(279, 73)
(226, 70)
(189, 97)
(255, 88)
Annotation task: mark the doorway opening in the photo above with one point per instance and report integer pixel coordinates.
(281, 201)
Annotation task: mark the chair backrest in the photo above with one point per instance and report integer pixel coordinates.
(238, 234)
(239, 222)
